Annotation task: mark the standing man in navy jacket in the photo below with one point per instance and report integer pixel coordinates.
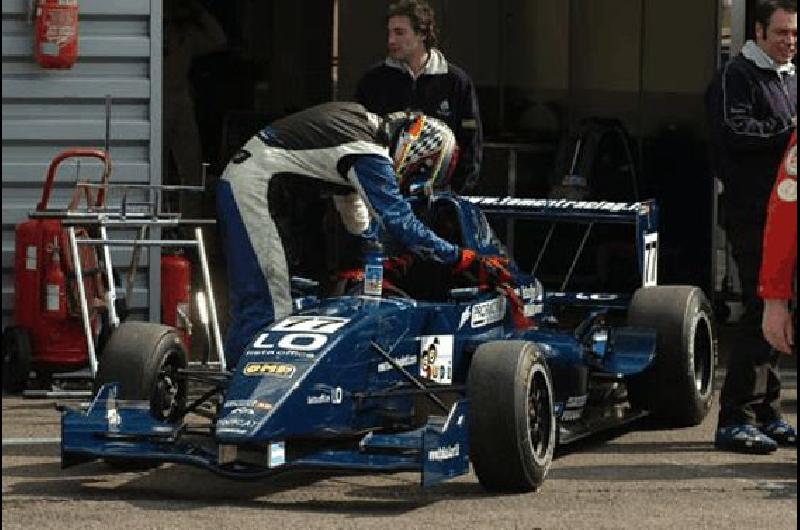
(416, 76)
(752, 106)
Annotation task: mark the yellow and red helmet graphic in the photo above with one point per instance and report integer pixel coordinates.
(425, 155)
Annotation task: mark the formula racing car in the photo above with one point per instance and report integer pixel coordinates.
(437, 373)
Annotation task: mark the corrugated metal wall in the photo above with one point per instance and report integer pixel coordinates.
(47, 111)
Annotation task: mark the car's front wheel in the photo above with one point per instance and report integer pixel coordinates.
(512, 425)
(145, 358)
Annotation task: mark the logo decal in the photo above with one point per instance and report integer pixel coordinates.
(447, 452)
(406, 360)
(273, 369)
(436, 353)
(489, 312)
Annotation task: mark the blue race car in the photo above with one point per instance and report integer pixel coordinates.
(435, 374)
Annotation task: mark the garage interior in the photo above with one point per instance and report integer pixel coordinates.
(637, 69)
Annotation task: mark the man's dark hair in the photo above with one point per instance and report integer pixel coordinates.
(765, 9)
(422, 17)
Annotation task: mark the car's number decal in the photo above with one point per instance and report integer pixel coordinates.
(650, 263)
(316, 324)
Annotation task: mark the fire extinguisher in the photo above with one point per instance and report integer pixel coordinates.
(55, 286)
(176, 292)
(56, 33)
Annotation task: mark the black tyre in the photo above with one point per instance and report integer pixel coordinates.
(121, 307)
(17, 359)
(678, 387)
(512, 426)
(144, 359)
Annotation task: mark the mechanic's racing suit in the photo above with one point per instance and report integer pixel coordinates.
(779, 264)
(335, 146)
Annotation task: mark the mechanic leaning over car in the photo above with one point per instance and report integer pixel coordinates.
(779, 259)
(752, 106)
(368, 162)
(416, 76)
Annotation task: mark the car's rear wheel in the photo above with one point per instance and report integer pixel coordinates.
(17, 359)
(512, 425)
(144, 358)
(678, 387)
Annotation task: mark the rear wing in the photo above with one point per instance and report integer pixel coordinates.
(644, 215)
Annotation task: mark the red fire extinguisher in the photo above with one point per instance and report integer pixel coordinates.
(56, 33)
(55, 286)
(176, 292)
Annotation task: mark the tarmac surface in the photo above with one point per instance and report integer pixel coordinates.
(639, 476)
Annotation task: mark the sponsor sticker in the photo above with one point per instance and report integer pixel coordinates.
(791, 161)
(263, 405)
(532, 298)
(271, 369)
(436, 358)
(557, 204)
(406, 360)
(448, 452)
(235, 403)
(326, 397)
(487, 313)
(238, 423)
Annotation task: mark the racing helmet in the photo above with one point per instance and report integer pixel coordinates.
(424, 152)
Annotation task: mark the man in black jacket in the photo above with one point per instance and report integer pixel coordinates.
(752, 106)
(416, 76)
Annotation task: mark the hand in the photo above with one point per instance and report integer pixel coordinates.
(778, 325)
(487, 270)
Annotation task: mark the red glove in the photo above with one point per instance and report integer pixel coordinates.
(488, 270)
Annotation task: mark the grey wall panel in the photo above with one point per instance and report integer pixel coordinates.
(52, 86)
(47, 111)
(79, 129)
(26, 172)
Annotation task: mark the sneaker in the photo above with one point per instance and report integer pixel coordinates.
(781, 432)
(744, 439)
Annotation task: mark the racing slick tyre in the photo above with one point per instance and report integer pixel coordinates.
(17, 359)
(144, 358)
(677, 388)
(512, 425)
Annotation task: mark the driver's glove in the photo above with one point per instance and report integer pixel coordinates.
(487, 270)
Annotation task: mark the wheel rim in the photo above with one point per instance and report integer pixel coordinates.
(703, 356)
(168, 393)
(539, 414)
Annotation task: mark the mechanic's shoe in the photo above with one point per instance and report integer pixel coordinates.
(744, 439)
(781, 432)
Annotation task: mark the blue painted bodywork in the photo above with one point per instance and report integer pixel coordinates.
(332, 386)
